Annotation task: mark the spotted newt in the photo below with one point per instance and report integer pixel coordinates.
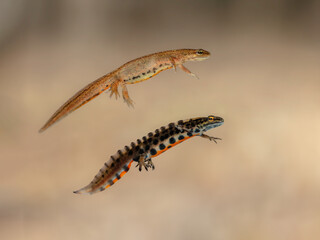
(149, 147)
(135, 71)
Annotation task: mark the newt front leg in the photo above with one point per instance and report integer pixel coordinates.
(175, 62)
(187, 71)
(210, 138)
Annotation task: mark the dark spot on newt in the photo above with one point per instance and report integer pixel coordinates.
(125, 168)
(141, 151)
(199, 121)
(181, 137)
(153, 151)
(147, 147)
(172, 140)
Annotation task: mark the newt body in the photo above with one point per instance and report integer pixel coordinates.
(149, 147)
(135, 71)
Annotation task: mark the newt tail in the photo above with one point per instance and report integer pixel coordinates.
(83, 96)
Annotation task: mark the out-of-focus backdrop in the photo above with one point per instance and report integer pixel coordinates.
(262, 181)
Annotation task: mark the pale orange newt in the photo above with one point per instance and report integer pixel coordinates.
(135, 71)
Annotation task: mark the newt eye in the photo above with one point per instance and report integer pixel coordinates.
(211, 118)
(200, 52)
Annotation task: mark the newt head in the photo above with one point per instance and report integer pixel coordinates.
(196, 55)
(212, 122)
(202, 124)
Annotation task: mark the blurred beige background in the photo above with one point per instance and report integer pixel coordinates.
(262, 181)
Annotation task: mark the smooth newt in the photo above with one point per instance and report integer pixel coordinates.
(149, 147)
(135, 71)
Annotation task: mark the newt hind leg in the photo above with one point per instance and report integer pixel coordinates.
(145, 161)
(125, 95)
(114, 89)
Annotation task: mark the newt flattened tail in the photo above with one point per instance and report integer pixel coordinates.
(104, 179)
(83, 96)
